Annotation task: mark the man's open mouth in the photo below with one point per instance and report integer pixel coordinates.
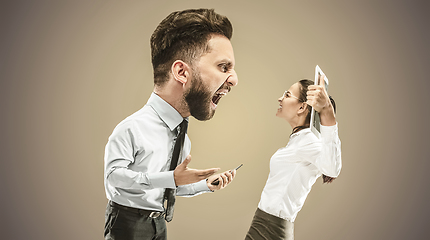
(217, 96)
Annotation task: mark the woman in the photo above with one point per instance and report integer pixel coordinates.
(295, 168)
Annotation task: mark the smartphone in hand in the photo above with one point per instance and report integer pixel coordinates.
(216, 181)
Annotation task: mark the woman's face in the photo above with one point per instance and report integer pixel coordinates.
(289, 103)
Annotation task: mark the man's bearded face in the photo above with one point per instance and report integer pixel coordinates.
(198, 99)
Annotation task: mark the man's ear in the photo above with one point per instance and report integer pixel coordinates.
(180, 71)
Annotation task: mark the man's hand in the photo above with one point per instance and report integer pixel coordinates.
(318, 98)
(184, 175)
(224, 179)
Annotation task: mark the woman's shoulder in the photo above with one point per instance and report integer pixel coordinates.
(306, 138)
(305, 134)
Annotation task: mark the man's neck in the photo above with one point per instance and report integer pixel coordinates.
(173, 96)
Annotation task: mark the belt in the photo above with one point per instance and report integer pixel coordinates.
(143, 212)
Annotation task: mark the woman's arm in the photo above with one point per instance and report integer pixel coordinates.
(325, 152)
(330, 160)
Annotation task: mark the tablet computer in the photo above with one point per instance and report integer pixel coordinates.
(315, 117)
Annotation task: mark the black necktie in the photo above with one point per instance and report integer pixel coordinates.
(169, 194)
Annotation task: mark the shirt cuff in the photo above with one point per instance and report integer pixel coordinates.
(201, 186)
(162, 179)
(328, 133)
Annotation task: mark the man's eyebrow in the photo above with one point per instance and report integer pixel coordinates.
(228, 63)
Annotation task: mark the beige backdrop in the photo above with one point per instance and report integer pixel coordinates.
(71, 70)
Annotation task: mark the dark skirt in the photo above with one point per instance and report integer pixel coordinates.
(268, 227)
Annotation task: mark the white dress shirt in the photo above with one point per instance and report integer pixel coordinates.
(296, 167)
(138, 155)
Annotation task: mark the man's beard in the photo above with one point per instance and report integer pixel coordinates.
(198, 99)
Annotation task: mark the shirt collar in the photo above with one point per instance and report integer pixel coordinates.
(300, 132)
(165, 111)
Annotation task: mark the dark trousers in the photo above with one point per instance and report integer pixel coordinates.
(131, 224)
(268, 227)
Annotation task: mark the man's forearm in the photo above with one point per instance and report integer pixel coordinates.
(128, 179)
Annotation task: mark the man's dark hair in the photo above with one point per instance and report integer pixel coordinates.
(183, 35)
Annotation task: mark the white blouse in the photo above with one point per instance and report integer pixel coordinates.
(296, 167)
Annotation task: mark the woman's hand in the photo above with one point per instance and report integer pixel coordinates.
(318, 98)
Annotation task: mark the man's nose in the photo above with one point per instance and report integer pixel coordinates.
(232, 80)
